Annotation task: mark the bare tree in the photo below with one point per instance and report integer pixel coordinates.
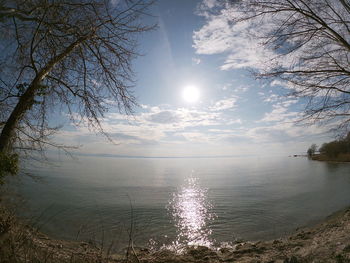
(312, 150)
(307, 47)
(73, 56)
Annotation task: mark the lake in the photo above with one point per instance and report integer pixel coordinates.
(181, 201)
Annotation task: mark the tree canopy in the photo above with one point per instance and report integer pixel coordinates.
(73, 56)
(306, 46)
(312, 149)
(335, 148)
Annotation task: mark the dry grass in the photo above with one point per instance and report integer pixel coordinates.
(20, 243)
(328, 242)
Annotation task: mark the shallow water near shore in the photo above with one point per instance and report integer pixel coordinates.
(182, 201)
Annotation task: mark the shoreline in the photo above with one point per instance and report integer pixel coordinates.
(326, 241)
(324, 158)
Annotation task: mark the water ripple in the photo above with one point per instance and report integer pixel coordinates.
(191, 211)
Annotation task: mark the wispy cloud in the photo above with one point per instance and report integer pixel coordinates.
(280, 113)
(196, 61)
(156, 124)
(221, 35)
(241, 89)
(224, 104)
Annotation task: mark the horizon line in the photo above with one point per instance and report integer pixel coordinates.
(160, 157)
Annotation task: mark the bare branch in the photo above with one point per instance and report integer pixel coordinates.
(72, 55)
(309, 43)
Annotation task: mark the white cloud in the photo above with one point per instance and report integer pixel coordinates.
(225, 87)
(285, 132)
(159, 124)
(278, 114)
(210, 3)
(224, 104)
(277, 83)
(195, 137)
(196, 61)
(281, 112)
(220, 35)
(272, 98)
(164, 117)
(184, 131)
(214, 37)
(241, 89)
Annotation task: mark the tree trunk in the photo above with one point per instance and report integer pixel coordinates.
(25, 103)
(27, 99)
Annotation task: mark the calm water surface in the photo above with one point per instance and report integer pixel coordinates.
(174, 202)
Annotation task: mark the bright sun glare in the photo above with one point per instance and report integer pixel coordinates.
(190, 94)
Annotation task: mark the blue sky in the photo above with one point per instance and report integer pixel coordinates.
(234, 115)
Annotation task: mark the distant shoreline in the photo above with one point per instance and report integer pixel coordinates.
(341, 158)
(160, 157)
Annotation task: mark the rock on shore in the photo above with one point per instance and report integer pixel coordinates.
(327, 242)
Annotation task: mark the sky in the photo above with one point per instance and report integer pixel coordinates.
(229, 112)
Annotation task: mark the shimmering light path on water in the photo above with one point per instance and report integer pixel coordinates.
(175, 202)
(191, 211)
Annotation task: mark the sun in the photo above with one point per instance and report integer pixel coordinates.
(191, 94)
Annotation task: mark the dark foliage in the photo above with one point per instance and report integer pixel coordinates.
(335, 148)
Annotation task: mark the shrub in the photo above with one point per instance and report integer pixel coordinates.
(335, 148)
(8, 165)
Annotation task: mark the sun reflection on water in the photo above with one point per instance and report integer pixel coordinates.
(191, 212)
